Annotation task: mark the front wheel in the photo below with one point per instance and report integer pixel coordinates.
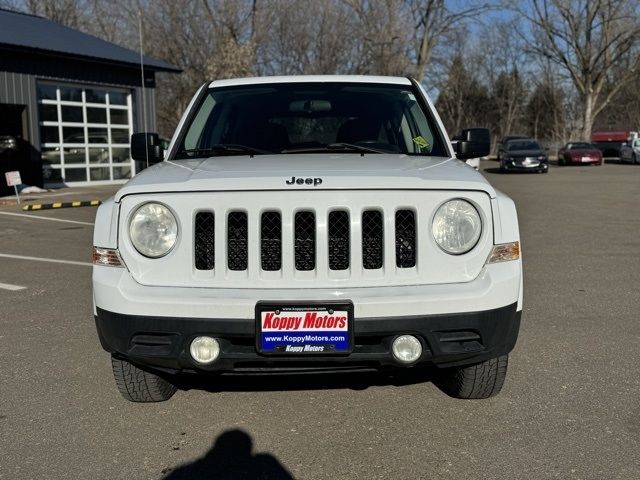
(479, 381)
(137, 385)
(634, 159)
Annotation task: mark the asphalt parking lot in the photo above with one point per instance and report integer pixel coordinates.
(569, 408)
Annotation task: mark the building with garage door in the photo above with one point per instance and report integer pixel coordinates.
(69, 103)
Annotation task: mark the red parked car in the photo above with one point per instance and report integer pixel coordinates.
(579, 153)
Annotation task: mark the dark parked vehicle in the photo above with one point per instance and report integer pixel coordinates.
(524, 154)
(579, 153)
(502, 146)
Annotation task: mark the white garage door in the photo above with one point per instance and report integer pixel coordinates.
(84, 133)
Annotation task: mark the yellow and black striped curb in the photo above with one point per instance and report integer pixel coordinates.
(47, 206)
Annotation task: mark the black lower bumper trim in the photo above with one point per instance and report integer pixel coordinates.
(162, 343)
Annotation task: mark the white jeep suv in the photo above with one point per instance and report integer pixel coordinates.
(320, 223)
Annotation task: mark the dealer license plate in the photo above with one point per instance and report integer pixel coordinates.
(586, 159)
(304, 328)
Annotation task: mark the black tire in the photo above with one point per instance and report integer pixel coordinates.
(560, 161)
(137, 385)
(479, 381)
(503, 167)
(634, 160)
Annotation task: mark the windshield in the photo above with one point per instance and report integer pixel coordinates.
(310, 118)
(581, 146)
(523, 145)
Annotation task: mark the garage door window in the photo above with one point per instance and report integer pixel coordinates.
(85, 133)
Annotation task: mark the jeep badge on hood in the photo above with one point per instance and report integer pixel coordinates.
(301, 181)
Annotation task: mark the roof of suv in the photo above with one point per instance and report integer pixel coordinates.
(310, 79)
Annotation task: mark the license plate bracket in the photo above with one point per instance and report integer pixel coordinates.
(304, 328)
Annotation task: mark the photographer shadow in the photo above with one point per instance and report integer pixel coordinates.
(231, 458)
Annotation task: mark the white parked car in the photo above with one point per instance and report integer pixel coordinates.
(317, 223)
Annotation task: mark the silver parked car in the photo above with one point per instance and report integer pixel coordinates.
(630, 151)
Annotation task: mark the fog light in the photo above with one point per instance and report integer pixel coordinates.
(406, 348)
(204, 349)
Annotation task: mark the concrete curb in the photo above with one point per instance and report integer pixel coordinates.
(48, 206)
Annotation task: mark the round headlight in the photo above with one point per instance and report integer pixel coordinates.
(457, 227)
(153, 230)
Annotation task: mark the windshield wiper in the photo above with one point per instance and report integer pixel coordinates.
(223, 148)
(340, 146)
(354, 147)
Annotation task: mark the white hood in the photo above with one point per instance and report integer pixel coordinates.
(337, 171)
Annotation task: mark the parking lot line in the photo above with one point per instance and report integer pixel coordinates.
(13, 288)
(41, 259)
(39, 217)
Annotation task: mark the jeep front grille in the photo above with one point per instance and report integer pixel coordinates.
(339, 233)
(372, 240)
(337, 227)
(271, 241)
(305, 241)
(237, 241)
(405, 239)
(204, 236)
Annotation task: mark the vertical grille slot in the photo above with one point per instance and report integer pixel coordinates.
(339, 236)
(237, 241)
(271, 241)
(204, 241)
(372, 239)
(305, 240)
(405, 239)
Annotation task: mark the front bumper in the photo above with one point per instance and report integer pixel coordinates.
(579, 161)
(162, 343)
(458, 324)
(522, 166)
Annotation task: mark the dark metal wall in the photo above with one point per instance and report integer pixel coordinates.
(19, 73)
(20, 88)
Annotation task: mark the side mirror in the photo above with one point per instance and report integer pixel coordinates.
(143, 143)
(473, 143)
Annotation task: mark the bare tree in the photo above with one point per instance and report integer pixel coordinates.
(481, 76)
(307, 37)
(623, 113)
(588, 38)
(68, 12)
(208, 39)
(382, 35)
(463, 100)
(545, 112)
(500, 56)
(432, 20)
